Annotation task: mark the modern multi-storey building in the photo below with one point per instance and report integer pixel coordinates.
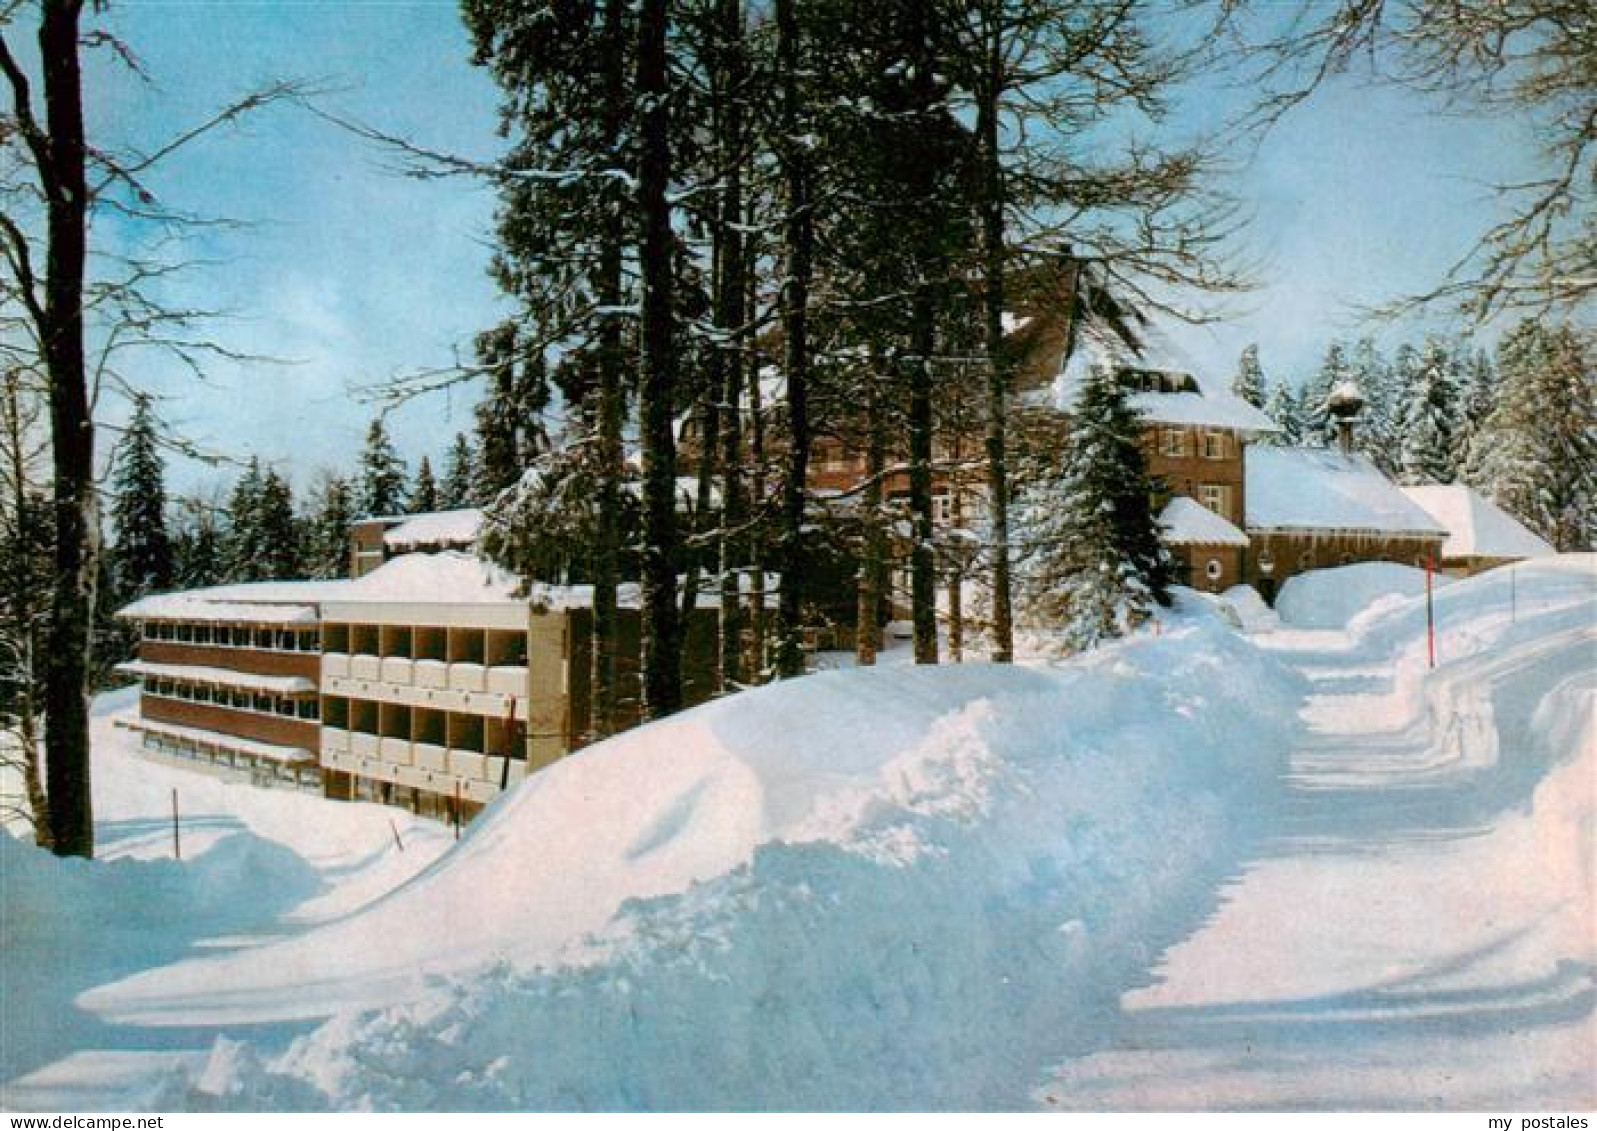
(431, 682)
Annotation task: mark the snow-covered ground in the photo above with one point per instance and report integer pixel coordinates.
(1155, 877)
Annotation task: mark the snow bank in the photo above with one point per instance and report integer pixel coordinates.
(1251, 609)
(904, 887)
(143, 913)
(1331, 598)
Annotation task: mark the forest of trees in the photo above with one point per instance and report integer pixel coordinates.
(729, 233)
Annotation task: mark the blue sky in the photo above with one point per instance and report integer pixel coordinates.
(352, 274)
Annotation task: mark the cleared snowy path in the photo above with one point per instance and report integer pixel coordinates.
(1419, 931)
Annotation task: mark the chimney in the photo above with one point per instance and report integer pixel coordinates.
(1344, 403)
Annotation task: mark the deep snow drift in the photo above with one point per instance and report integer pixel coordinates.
(1331, 598)
(923, 888)
(905, 887)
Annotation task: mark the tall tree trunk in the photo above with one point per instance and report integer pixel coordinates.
(992, 208)
(798, 241)
(759, 627)
(867, 626)
(607, 545)
(956, 566)
(922, 560)
(729, 317)
(662, 657)
(66, 737)
(923, 340)
(23, 614)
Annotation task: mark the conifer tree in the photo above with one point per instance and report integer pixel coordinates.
(245, 542)
(460, 473)
(424, 495)
(143, 556)
(1427, 451)
(278, 529)
(1095, 565)
(510, 432)
(1536, 453)
(382, 474)
(200, 546)
(1318, 427)
(1249, 381)
(1377, 430)
(1281, 406)
(327, 550)
(1477, 398)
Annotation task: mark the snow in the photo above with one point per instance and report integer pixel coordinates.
(436, 528)
(449, 576)
(1213, 404)
(271, 751)
(1477, 527)
(1331, 598)
(1184, 522)
(1251, 609)
(220, 677)
(1420, 935)
(254, 861)
(199, 606)
(1098, 884)
(1321, 489)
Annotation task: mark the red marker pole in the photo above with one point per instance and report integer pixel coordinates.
(1430, 611)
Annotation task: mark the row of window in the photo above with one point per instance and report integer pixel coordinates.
(235, 698)
(1173, 442)
(263, 771)
(235, 636)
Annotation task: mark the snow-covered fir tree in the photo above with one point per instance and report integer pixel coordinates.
(245, 542)
(1477, 397)
(1281, 406)
(143, 550)
(1249, 382)
(278, 528)
(1536, 453)
(424, 494)
(1428, 410)
(1318, 427)
(1377, 431)
(460, 475)
(1093, 565)
(200, 548)
(510, 426)
(382, 474)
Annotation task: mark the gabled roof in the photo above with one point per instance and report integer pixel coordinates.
(1476, 526)
(436, 528)
(1317, 489)
(1184, 522)
(1180, 394)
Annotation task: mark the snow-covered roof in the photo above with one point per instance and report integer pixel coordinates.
(1476, 526)
(450, 577)
(260, 602)
(1322, 489)
(271, 751)
(1187, 523)
(220, 677)
(436, 528)
(1189, 397)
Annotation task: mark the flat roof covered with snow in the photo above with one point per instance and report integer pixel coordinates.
(1313, 489)
(256, 602)
(436, 528)
(1184, 522)
(1476, 526)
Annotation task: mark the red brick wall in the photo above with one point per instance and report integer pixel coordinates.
(245, 724)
